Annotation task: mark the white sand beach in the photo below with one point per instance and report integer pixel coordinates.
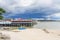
(33, 34)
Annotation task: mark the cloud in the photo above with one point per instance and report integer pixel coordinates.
(14, 7)
(55, 16)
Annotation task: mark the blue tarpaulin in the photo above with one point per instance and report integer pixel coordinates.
(21, 28)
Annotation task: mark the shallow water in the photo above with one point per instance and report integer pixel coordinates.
(48, 25)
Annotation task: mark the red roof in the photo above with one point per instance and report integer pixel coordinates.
(22, 21)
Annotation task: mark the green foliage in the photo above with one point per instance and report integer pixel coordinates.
(2, 11)
(1, 17)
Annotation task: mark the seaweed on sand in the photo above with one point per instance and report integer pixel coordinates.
(45, 30)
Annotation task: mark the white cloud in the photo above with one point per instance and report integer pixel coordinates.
(23, 3)
(45, 2)
(55, 16)
(20, 6)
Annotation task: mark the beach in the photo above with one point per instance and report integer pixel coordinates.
(33, 34)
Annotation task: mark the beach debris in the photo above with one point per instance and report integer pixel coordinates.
(58, 34)
(16, 31)
(45, 30)
(4, 37)
(5, 28)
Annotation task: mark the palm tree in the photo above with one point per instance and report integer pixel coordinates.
(2, 11)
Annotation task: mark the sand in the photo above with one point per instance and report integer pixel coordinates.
(33, 34)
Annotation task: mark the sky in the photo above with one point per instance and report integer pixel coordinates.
(49, 9)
